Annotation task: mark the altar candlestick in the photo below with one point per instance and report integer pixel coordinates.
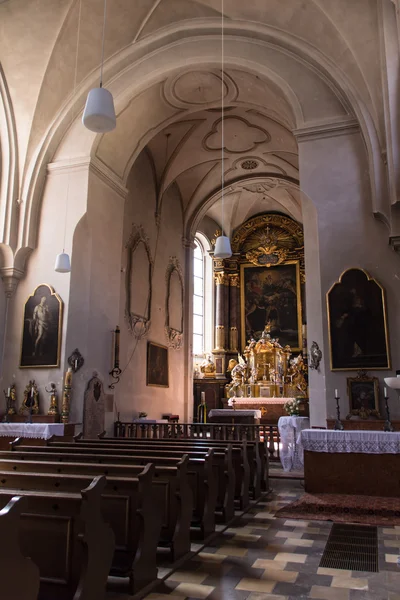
(116, 347)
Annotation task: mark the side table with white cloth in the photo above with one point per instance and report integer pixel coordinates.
(351, 462)
(291, 451)
(40, 432)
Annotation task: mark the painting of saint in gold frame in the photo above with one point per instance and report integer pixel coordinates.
(363, 392)
(357, 323)
(271, 296)
(42, 326)
(157, 365)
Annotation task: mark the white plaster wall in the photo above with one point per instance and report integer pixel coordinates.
(334, 175)
(132, 395)
(40, 269)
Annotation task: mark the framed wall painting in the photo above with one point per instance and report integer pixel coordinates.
(157, 365)
(357, 323)
(272, 296)
(363, 392)
(41, 330)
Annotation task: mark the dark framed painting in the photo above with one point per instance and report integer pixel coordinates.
(357, 323)
(157, 365)
(363, 395)
(272, 296)
(42, 328)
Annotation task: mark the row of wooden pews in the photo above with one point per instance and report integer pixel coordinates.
(92, 508)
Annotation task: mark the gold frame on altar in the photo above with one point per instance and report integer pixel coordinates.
(245, 266)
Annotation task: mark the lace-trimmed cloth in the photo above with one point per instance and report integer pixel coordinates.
(291, 452)
(43, 431)
(364, 442)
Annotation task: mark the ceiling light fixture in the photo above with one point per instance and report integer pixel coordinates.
(99, 113)
(63, 262)
(222, 243)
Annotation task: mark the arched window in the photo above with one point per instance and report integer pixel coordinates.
(198, 299)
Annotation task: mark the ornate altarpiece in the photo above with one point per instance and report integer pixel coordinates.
(272, 245)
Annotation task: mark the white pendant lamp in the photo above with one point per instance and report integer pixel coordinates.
(222, 244)
(99, 114)
(63, 263)
(222, 247)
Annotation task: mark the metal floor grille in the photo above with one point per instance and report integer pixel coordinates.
(351, 547)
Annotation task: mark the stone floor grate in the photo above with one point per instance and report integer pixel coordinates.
(351, 547)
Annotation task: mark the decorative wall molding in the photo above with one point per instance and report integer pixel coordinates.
(174, 336)
(326, 130)
(138, 325)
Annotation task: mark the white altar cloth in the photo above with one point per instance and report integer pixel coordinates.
(43, 431)
(230, 412)
(364, 442)
(291, 452)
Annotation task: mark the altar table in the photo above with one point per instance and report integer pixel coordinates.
(42, 431)
(351, 462)
(227, 415)
(291, 452)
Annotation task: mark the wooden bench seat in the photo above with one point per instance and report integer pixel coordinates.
(170, 491)
(65, 535)
(231, 468)
(126, 504)
(19, 576)
(201, 473)
(256, 451)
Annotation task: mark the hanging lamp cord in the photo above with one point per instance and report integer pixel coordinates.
(102, 43)
(222, 117)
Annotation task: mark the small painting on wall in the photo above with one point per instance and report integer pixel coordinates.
(41, 332)
(363, 394)
(157, 365)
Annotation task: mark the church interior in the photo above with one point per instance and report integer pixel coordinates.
(200, 299)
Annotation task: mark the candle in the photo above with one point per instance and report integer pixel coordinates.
(76, 364)
(203, 396)
(32, 392)
(385, 392)
(9, 392)
(116, 347)
(336, 393)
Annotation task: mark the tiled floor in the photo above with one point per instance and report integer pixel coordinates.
(264, 558)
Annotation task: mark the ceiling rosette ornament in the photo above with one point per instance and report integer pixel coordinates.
(138, 324)
(174, 335)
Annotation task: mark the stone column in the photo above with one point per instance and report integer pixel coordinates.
(234, 312)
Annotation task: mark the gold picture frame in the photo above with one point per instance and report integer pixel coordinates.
(357, 323)
(157, 365)
(282, 284)
(41, 329)
(363, 393)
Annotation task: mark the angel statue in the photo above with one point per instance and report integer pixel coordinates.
(239, 374)
(315, 356)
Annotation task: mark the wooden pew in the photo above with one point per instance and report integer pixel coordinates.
(19, 576)
(256, 450)
(126, 504)
(201, 473)
(231, 467)
(66, 537)
(170, 491)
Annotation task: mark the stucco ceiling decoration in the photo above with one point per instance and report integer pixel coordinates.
(199, 88)
(239, 135)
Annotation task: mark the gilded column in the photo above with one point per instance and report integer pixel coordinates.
(233, 312)
(220, 282)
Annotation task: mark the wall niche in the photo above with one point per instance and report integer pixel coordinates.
(139, 272)
(174, 304)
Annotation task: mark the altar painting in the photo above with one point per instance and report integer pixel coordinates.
(271, 296)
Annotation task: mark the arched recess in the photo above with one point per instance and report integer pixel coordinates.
(174, 334)
(259, 49)
(8, 170)
(138, 321)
